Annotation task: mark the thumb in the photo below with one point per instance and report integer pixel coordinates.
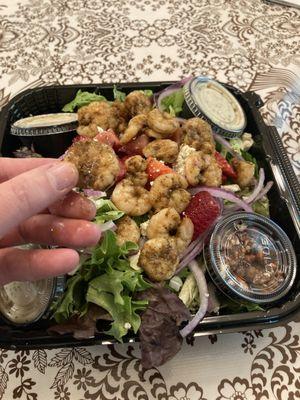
(31, 192)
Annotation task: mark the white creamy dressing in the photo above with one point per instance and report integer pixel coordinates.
(218, 104)
(23, 302)
(39, 121)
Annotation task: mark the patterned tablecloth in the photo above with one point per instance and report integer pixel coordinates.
(246, 43)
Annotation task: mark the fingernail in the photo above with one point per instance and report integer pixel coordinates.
(63, 175)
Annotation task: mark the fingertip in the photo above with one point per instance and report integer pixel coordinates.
(69, 260)
(63, 175)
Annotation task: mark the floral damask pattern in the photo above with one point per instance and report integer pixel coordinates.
(270, 372)
(249, 44)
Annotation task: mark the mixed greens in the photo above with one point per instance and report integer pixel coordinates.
(108, 285)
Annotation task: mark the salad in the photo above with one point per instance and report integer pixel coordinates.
(160, 184)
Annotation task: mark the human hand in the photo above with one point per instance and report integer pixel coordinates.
(37, 205)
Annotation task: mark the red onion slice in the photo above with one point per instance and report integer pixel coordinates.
(203, 295)
(157, 97)
(258, 187)
(94, 193)
(194, 252)
(223, 142)
(264, 191)
(108, 226)
(224, 194)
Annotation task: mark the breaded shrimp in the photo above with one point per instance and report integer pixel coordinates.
(133, 200)
(136, 170)
(169, 191)
(127, 230)
(98, 114)
(198, 134)
(135, 125)
(159, 258)
(164, 149)
(137, 102)
(245, 172)
(97, 164)
(167, 223)
(202, 169)
(162, 123)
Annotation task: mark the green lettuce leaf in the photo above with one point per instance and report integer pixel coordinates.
(262, 206)
(73, 300)
(236, 307)
(82, 99)
(118, 95)
(173, 103)
(107, 280)
(147, 92)
(106, 211)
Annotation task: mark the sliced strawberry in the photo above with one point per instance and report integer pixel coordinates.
(224, 178)
(203, 209)
(135, 146)
(109, 137)
(225, 166)
(122, 171)
(156, 168)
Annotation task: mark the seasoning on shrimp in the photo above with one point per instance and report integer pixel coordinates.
(162, 123)
(198, 134)
(168, 190)
(136, 170)
(245, 172)
(159, 258)
(98, 114)
(135, 125)
(133, 200)
(167, 223)
(162, 149)
(97, 164)
(137, 102)
(127, 230)
(203, 169)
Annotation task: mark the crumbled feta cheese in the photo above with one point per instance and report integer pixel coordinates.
(184, 152)
(143, 228)
(127, 325)
(231, 188)
(99, 129)
(247, 141)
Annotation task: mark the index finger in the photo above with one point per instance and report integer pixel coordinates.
(11, 167)
(31, 192)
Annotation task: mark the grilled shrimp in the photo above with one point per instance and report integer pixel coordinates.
(169, 191)
(97, 114)
(245, 172)
(136, 103)
(133, 200)
(159, 258)
(162, 123)
(198, 134)
(135, 125)
(136, 170)
(164, 149)
(97, 164)
(127, 230)
(167, 223)
(202, 169)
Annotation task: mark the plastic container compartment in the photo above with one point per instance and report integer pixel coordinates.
(284, 208)
(50, 134)
(206, 98)
(250, 258)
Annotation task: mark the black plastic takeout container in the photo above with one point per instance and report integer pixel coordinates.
(284, 207)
